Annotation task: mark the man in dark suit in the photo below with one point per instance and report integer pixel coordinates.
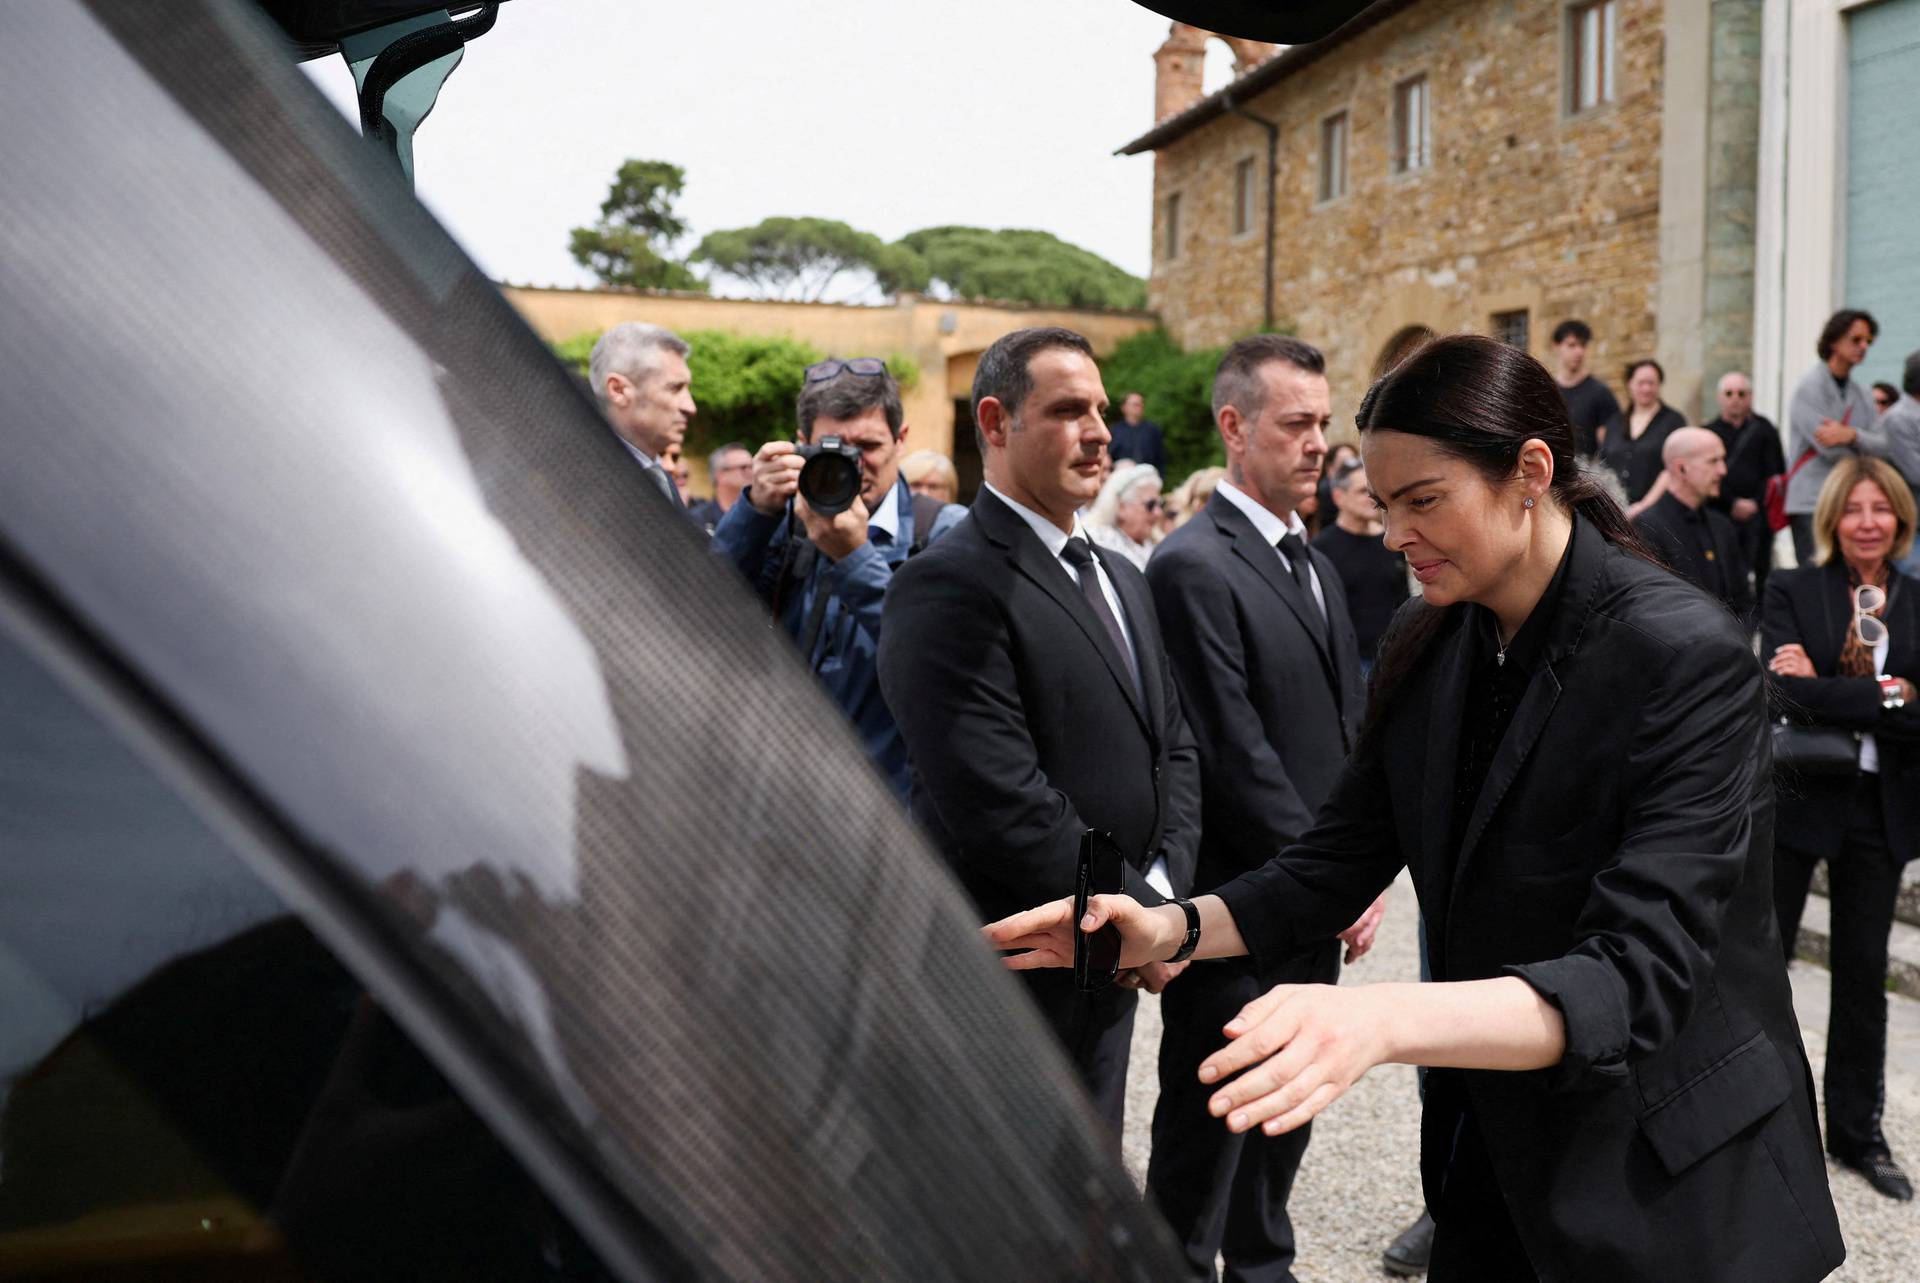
(1268, 668)
(1695, 538)
(640, 377)
(1754, 457)
(1135, 438)
(1025, 668)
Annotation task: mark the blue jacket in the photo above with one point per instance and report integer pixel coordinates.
(846, 655)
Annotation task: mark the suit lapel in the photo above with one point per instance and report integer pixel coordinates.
(1131, 590)
(1451, 669)
(1030, 557)
(1260, 555)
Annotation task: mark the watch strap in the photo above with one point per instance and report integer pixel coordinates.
(1192, 941)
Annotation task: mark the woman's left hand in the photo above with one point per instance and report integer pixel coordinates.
(1791, 660)
(1301, 1046)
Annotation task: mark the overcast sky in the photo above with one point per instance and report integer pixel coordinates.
(999, 113)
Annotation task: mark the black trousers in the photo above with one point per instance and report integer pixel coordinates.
(1801, 524)
(1474, 1239)
(1863, 882)
(1756, 543)
(1223, 1194)
(1097, 1032)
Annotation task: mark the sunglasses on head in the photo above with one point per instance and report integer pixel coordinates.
(867, 367)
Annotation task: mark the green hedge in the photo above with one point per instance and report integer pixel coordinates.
(1178, 387)
(745, 385)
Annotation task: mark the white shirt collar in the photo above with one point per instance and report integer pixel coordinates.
(646, 460)
(1051, 535)
(1269, 526)
(887, 518)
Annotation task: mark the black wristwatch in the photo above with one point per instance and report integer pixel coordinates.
(1192, 942)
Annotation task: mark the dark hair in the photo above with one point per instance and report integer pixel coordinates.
(1578, 329)
(1236, 381)
(1837, 326)
(1632, 366)
(1910, 375)
(1893, 393)
(1479, 400)
(1005, 372)
(848, 396)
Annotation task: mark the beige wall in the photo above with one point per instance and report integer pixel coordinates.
(944, 338)
(1522, 205)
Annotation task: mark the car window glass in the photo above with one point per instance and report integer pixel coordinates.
(189, 1081)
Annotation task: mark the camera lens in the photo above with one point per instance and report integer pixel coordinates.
(830, 478)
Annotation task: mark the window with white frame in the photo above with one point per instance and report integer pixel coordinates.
(1590, 54)
(1410, 125)
(1243, 193)
(1333, 156)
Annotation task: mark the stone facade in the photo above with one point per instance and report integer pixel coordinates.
(1524, 205)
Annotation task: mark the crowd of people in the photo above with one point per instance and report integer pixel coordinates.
(1225, 681)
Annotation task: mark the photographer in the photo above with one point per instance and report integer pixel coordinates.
(824, 524)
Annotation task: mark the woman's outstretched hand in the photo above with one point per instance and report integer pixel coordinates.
(1301, 1047)
(1047, 932)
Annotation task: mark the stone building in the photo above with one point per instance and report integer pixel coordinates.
(1485, 165)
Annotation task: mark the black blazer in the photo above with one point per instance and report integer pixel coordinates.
(1814, 607)
(1274, 705)
(1619, 860)
(1664, 525)
(1638, 462)
(1020, 717)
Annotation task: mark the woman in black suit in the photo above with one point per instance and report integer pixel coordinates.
(1566, 745)
(1836, 672)
(1631, 440)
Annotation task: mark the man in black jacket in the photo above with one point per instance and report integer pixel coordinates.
(1754, 457)
(1025, 669)
(1694, 538)
(1268, 668)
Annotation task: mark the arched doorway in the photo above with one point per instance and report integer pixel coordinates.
(1401, 346)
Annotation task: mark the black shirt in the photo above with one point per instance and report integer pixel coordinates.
(1701, 546)
(1495, 687)
(1753, 455)
(1375, 578)
(1589, 404)
(1636, 461)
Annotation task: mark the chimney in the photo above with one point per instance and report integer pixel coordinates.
(1180, 66)
(1178, 71)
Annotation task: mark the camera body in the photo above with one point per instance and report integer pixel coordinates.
(830, 478)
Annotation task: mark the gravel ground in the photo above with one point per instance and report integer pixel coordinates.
(1360, 1183)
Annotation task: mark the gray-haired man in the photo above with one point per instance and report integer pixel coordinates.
(639, 374)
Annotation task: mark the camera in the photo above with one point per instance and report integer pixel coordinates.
(830, 477)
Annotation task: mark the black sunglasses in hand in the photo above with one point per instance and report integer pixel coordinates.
(1096, 955)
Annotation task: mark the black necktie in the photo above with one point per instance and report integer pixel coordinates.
(1296, 550)
(1079, 554)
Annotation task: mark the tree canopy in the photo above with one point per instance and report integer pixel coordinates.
(632, 243)
(802, 257)
(1019, 266)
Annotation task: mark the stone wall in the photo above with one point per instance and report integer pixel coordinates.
(1523, 206)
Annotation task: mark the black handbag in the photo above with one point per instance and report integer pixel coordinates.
(1815, 750)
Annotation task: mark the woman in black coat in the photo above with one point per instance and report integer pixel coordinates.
(1566, 744)
(1864, 818)
(1631, 440)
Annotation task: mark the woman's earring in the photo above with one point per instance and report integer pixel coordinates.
(1528, 504)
